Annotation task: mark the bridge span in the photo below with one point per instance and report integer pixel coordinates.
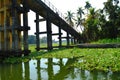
(10, 25)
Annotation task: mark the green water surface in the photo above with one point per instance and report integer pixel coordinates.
(51, 69)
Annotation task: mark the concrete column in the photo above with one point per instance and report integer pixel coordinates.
(37, 33)
(18, 32)
(0, 27)
(25, 25)
(5, 26)
(75, 41)
(68, 42)
(60, 40)
(49, 33)
(13, 25)
(72, 40)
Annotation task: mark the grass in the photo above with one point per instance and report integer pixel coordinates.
(117, 40)
(33, 46)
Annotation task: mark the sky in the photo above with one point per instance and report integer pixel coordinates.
(63, 6)
(67, 5)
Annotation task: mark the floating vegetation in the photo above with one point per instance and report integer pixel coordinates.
(88, 59)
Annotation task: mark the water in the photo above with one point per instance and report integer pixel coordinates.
(51, 69)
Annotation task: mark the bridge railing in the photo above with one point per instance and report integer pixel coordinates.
(52, 7)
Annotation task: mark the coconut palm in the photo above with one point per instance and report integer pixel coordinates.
(79, 18)
(87, 6)
(80, 12)
(70, 18)
(91, 24)
(80, 22)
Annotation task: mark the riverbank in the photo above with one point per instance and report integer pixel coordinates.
(88, 59)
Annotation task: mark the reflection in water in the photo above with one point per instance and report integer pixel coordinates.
(11, 72)
(26, 71)
(38, 70)
(51, 69)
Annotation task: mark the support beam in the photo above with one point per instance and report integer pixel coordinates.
(49, 33)
(25, 24)
(41, 32)
(37, 33)
(65, 37)
(75, 41)
(5, 26)
(21, 9)
(2, 9)
(16, 34)
(72, 42)
(13, 24)
(68, 42)
(19, 32)
(54, 34)
(0, 28)
(60, 35)
(40, 20)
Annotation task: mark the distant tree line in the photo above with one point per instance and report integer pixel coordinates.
(32, 39)
(97, 24)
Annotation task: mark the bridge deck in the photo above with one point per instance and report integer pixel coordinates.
(42, 9)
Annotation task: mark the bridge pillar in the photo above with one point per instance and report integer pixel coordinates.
(68, 42)
(3, 25)
(10, 27)
(49, 33)
(10, 36)
(76, 41)
(37, 33)
(72, 41)
(60, 39)
(16, 34)
(26, 28)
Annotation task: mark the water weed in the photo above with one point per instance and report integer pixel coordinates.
(89, 59)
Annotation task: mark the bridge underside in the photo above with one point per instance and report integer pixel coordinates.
(11, 40)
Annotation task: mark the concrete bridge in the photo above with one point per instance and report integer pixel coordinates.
(11, 28)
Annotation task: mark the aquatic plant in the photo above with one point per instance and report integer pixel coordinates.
(88, 59)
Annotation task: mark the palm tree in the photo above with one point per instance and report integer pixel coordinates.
(91, 24)
(87, 6)
(80, 12)
(70, 18)
(79, 18)
(80, 22)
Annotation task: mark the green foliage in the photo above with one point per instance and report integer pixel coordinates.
(111, 24)
(101, 59)
(87, 59)
(98, 24)
(91, 25)
(43, 40)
